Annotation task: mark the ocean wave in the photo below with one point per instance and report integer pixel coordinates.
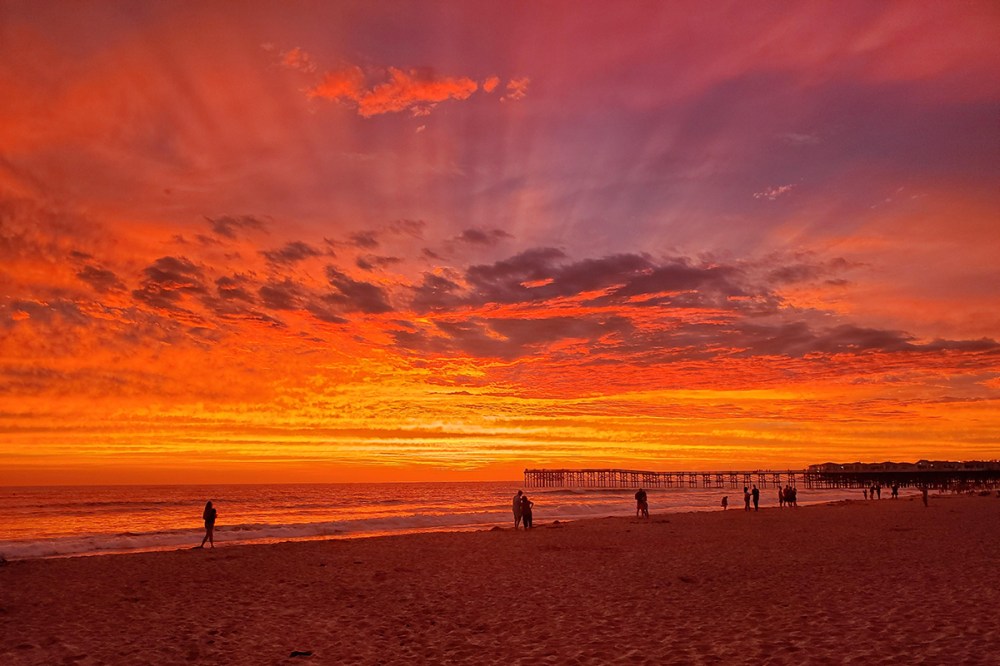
(241, 533)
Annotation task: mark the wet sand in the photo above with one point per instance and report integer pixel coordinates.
(878, 582)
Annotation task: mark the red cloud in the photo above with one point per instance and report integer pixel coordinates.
(516, 89)
(416, 90)
(345, 84)
(298, 59)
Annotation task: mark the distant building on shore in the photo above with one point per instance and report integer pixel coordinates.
(919, 466)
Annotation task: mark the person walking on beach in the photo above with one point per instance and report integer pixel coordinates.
(895, 490)
(746, 498)
(865, 491)
(878, 491)
(517, 508)
(781, 497)
(641, 504)
(923, 494)
(209, 515)
(526, 505)
(725, 502)
(755, 493)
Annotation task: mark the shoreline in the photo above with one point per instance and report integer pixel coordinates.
(179, 541)
(880, 582)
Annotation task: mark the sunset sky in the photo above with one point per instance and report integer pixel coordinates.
(391, 241)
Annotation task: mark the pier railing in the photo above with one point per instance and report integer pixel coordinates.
(988, 477)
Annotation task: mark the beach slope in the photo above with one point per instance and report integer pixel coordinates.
(874, 582)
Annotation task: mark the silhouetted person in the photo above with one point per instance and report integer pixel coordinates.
(781, 497)
(209, 515)
(526, 505)
(517, 508)
(641, 504)
(746, 498)
(878, 491)
(725, 502)
(923, 494)
(756, 498)
(865, 491)
(895, 490)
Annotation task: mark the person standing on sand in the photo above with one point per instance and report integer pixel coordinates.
(746, 498)
(895, 491)
(725, 502)
(923, 494)
(641, 504)
(865, 491)
(756, 498)
(878, 491)
(526, 505)
(209, 515)
(517, 508)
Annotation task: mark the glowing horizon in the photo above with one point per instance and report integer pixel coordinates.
(338, 241)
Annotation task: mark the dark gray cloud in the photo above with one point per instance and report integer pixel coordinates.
(168, 280)
(52, 311)
(326, 314)
(436, 292)
(414, 228)
(356, 296)
(535, 275)
(291, 253)
(364, 239)
(803, 271)
(508, 338)
(370, 262)
(616, 339)
(284, 295)
(235, 287)
(228, 225)
(480, 237)
(100, 279)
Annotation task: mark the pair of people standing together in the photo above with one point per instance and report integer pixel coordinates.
(522, 510)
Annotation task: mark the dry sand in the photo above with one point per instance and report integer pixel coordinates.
(883, 582)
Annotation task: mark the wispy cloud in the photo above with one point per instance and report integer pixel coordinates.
(772, 193)
(517, 89)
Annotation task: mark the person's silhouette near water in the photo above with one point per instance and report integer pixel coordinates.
(746, 498)
(725, 502)
(641, 504)
(517, 508)
(895, 490)
(756, 498)
(209, 515)
(526, 505)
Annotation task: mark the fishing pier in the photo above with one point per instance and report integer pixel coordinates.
(937, 474)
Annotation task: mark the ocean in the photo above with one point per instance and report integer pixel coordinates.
(90, 520)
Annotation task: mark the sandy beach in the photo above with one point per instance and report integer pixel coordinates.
(878, 582)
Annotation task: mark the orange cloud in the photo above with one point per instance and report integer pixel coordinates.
(490, 84)
(298, 59)
(516, 89)
(416, 90)
(342, 85)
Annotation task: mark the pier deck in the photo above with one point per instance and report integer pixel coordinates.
(987, 476)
